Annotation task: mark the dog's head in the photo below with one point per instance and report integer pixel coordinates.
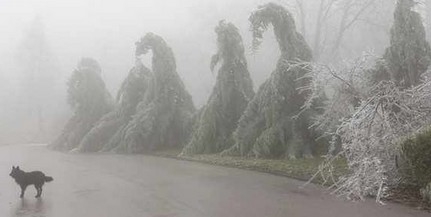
(15, 171)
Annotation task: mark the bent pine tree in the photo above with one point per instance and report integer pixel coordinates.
(88, 96)
(273, 124)
(130, 94)
(230, 96)
(163, 118)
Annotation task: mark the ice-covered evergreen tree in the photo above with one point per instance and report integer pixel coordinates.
(163, 117)
(272, 125)
(409, 53)
(130, 94)
(89, 98)
(230, 96)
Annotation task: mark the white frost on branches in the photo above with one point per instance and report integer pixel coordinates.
(369, 122)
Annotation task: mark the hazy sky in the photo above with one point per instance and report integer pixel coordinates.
(107, 29)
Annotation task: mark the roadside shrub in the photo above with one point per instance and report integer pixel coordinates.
(415, 161)
(426, 193)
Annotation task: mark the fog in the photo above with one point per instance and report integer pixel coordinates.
(107, 31)
(124, 104)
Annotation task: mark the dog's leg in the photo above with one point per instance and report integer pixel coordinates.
(37, 190)
(40, 191)
(23, 187)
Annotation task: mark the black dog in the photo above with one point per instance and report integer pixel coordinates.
(24, 179)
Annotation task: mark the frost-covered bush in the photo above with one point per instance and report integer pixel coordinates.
(370, 137)
(371, 115)
(343, 88)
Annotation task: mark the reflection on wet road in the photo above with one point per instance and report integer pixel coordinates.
(26, 207)
(122, 186)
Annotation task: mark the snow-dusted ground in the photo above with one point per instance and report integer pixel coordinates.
(122, 186)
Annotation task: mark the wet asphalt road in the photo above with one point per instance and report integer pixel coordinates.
(121, 186)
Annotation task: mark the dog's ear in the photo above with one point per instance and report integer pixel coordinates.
(13, 167)
(17, 167)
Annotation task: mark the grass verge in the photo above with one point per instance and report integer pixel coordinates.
(301, 169)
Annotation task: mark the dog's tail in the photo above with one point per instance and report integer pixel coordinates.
(48, 178)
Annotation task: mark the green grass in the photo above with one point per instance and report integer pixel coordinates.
(301, 169)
